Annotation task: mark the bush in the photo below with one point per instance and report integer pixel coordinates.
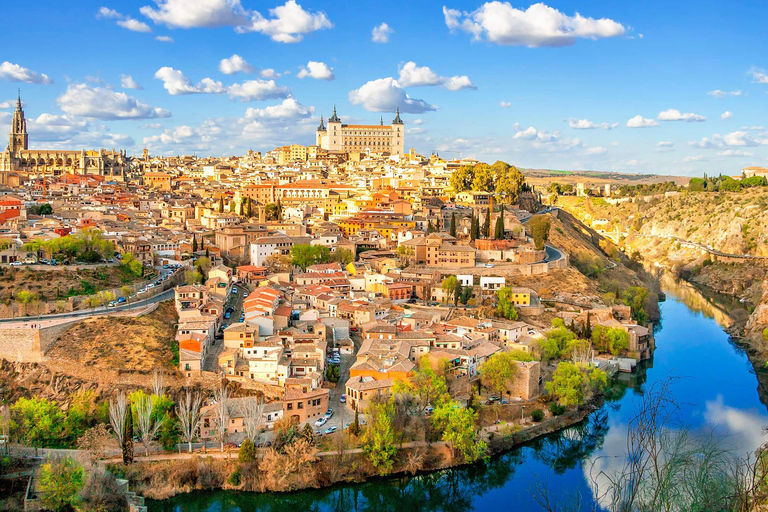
(537, 415)
(556, 409)
(247, 452)
(102, 493)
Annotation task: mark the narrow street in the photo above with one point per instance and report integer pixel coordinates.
(210, 364)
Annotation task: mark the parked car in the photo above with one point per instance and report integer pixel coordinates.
(321, 421)
(112, 304)
(331, 430)
(343, 399)
(16, 264)
(227, 315)
(121, 300)
(328, 413)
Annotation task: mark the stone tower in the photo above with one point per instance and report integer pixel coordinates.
(335, 137)
(19, 137)
(398, 134)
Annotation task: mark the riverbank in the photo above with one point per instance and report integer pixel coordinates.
(299, 469)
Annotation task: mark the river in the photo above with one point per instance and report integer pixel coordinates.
(714, 384)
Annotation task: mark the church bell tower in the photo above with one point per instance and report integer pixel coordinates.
(19, 136)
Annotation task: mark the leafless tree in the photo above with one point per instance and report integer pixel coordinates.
(252, 410)
(188, 412)
(221, 397)
(158, 384)
(147, 425)
(5, 428)
(118, 408)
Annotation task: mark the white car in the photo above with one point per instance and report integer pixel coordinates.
(321, 421)
(16, 264)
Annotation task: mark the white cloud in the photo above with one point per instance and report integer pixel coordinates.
(673, 114)
(664, 146)
(316, 70)
(413, 75)
(598, 150)
(235, 64)
(717, 93)
(102, 103)
(288, 109)
(16, 73)
(176, 83)
(269, 73)
(505, 104)
(641, 122)
(257, 90)
(586, 124)
(197, 13)
(106, 12)
(386, 94)
(726, 115)
(759, 75)
(127, 82)
(50, 127)
(742, 138)
(7, 104)
(289, 23)
(164, 39)
(134, 25)
(539, 25)
(734, 152)
(696, 158)
(635, 162)
(381, 33)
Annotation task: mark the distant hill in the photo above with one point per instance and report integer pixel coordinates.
(545, 176)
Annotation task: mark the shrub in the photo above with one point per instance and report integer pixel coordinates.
(247, 452)
(537, 415)
(556, 409)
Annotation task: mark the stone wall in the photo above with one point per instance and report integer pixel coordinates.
(28, 345)
(526, 385)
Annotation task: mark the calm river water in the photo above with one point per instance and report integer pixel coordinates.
(716, 387)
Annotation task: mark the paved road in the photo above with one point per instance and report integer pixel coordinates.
(211, 362)
(100, 311)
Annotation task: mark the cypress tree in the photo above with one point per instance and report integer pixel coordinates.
(472, 227)
(430, 227)
(202, 243)
(128, 438)
(221, 204)
(487, 224)
(452, 230)
(249, 207)
(499, 230)
(588, 328)
(194, 243)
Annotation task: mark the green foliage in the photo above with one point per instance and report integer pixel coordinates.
(610, 339)
(342, 256)
(635, 298)
(332, 373)
(457, 425)
(25, 296)
(466, 294)
(498, 230)
(556, 409)
(247, 452)
(452, 229)
(273, 211)
(60, 483)
(305, 255)
(537, 415)
(572, 383)
(486, 231)
(425, 385)
(78, 417)
(36, 422)
(379, 437)
(521, 355)
(540, 225)
(461, 179)
(499, 372)
(452, 288)
(169, 434)
(130, 265)
(558, 342)
(505, 305)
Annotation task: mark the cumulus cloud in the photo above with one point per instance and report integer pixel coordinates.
(197, 14)
(505, 104)
(696, 158)
(127, 82)
(316, 70)
(673, 114)
(385, 95)
(726, 115)
(16, 73)
(235, 64)
(539, 25)
(176, 83)
(586, 124)
(717, 93)
(739, 138)
(257, 90)
(759, 75)
(734, 152)
(381, 33)
(664, 146)
(641, 122)
(413, 75)
(164, 39)
(289, 23)
(598, 150)
(288, 109)
(124, 21)
(88, 101)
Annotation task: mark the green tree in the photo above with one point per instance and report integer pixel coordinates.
(452, 288)
(45, 209)
(425, 385)
(558, 341)
(193, 277)
(247, 452)
(509, 184)
(430, 227)
(473, 229)
(635, 297)
(221, 204)
(452, 230)
(486, 232)
(194, 244)
(60, 483)
(498, 232)
(499, 372)
(572, 383)
(203, 265)
(610, 339)
(169, 435)
(131, 266)
(25, 296)
(305, 255)
(457, 425)
(484, 178)
(342, 256)
(36, 422)
(379, 437)
(540, 225)
(461, 178)
(505, 305)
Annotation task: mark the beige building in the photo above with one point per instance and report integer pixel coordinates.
(362, 137)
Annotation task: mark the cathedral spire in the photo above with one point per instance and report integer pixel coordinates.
(397, 119)
(321, 128)
(334, 118)
(18, 99)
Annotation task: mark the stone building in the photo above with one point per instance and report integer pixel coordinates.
(376, 138)
(19, 158)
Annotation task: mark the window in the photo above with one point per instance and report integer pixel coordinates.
(289, 406)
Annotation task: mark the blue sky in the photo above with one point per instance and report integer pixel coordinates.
(626, 86)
